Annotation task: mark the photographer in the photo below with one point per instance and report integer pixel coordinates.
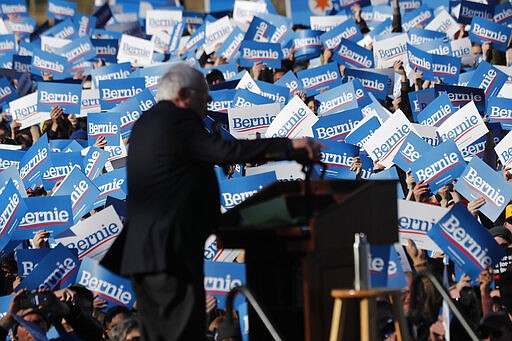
(44, 308)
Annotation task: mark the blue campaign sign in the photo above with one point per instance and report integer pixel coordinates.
(85, 23)
(83, 193)
(465, 241)
(503, 13)
(447, 68)
(5, 302)
(14, 8)
(151, 75)
(373, 82)
(222, 100)
(462, 95)
(10, 158)
(483, 30)
(220, 278)
(469, 10)
(229, 71)
(7, 91)
(12, 208)
(59, 165)
(307, 45)
(282, 24)
(417, 18)
(56, 270)
(6, 60)
(337, 126)
(435, 113)
(338, 157)
(234, 191)
(65, 146)
(60, 9)
(132, 109)
(353, 55)
(113, 92)
(196, 39)
(385, 267)
(290, 81)
(379, 264)
(52, 214)
(316, 80)
(364, 130)
(7, 43)
(27, 259)
(33, 329)
(229, 48)
(244, 98)
(498, 110)
(337, 99)
(21, 64)
(11, 174)
(78, 50)
(268, 53)
(278, 94)
(489, 78)
(111, 184)
(439, 46)
(363, 97)
(419, 36)
(33, 163)
(439, 166)
(66, 96)
(114, 289)
(107, 125)
(106, 49)
(50, 63)
(94, 161)
(421, 61)
(347, 30)
(259, 30)
(480, 181)
(114, 71)
(411, 150)
(64, 30)
(24, 26)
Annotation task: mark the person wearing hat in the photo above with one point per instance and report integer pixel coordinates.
(501, 235)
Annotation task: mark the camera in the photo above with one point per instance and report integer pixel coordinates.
(31, 300)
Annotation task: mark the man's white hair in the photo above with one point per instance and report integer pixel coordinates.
(179, 75)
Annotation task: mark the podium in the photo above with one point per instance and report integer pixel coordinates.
(293, 265)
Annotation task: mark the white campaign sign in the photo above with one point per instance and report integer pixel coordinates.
(415, 220)
(162, 20)
(245, 122)
(504, 150)
(386, 51)
(464, 126)
(295, 120)
(216, 32)
(24, 110)
(135, 50)
(443, 22)
(386, 141)
(94, 235)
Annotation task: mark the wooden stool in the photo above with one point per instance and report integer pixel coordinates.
(368, 312)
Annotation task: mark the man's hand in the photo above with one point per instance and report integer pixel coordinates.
(308, 149)
(56, 113)
(357, 165)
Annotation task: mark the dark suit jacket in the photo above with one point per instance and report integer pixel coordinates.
(173, 196)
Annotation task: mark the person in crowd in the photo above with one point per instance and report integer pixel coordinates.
(114, 316)
(126, 330)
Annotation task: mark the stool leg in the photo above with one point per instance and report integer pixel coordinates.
(336, 320)
(364, 306)
(400, 322)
